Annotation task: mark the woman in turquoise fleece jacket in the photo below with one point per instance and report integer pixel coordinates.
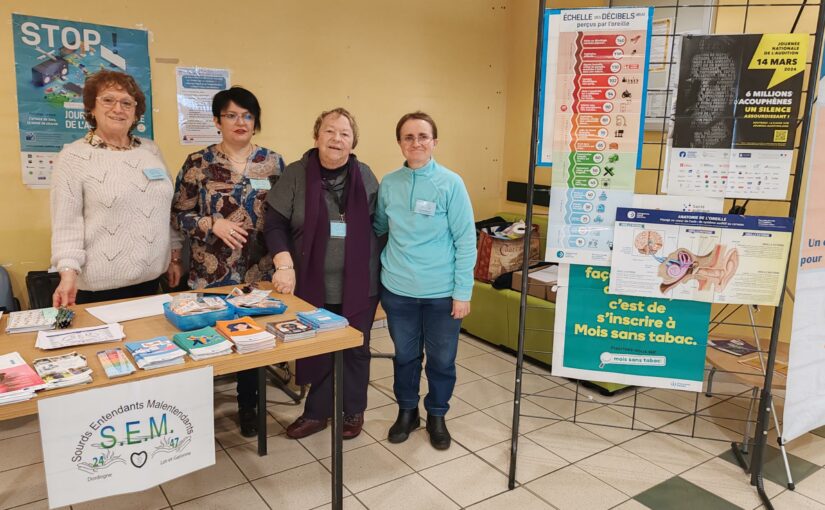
(427, 274)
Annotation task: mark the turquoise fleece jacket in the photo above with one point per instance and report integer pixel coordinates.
(429, 253)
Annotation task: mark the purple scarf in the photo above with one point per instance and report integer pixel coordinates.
(310, 279)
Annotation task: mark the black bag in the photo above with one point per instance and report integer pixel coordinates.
(41, 286)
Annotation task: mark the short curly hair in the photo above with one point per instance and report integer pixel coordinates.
(342, 112)
(104, 79)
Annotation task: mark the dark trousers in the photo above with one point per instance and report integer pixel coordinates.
(420, 327)
(149, 288)
(247, 388)
(318, 405)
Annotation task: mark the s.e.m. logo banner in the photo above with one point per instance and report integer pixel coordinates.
(128, 437)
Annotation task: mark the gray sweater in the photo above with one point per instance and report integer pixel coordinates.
(287, 198)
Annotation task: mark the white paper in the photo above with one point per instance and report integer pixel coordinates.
(79, 336)
(130, 310)
(127, 437)
(196, 88)
(679, 203)
(546, 275)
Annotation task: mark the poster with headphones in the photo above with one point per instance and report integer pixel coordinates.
(52, 59)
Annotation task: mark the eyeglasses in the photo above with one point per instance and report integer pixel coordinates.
(232, 116)
(109, 102)
(411, 139)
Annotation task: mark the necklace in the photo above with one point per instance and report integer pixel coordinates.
(237, 162)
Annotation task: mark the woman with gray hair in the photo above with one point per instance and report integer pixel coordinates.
(319, 231)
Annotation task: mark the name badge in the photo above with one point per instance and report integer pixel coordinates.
(154, 174)
(337, 229)
(424, 207)
(260, 184)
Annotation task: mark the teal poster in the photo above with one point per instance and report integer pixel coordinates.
(626, 339)
(52, 59)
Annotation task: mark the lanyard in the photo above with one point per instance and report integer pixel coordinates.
(338, 194)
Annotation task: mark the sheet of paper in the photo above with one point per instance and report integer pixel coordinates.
(130, 310)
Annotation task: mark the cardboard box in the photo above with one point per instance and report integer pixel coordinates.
(540, 282)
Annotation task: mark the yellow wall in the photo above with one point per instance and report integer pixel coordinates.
(378, 59)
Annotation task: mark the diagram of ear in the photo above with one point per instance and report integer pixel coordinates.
(715, 268)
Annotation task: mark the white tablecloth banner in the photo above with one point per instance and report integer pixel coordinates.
(127, 437)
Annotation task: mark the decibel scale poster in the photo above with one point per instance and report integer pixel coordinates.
(593, 96)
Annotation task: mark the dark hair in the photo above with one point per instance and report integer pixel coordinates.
(104, 79)
(342, 112)
(241, 97)
(419, 115)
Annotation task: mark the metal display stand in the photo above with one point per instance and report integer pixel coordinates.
(757, 444)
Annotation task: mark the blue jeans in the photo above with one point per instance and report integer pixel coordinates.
(420, 327)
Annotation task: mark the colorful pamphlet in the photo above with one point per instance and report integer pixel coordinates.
(155, 353)
(287, 331)
(735, 346)
(64, 370)
(322, 319)
(18, 381)
(115, 363)
(203, 343)
(246, 334)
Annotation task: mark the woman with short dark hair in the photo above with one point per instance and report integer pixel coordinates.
(219, 204)
(110, 193)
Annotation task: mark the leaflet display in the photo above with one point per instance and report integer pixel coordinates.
(736, 113)
(594, 75)
(715, 258)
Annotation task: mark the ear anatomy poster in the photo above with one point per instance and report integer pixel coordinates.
(736, 113)
(715, 258)
(593, 95)
(52, 59)
(623, 339)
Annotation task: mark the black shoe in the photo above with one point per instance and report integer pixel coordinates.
(248, 416)
(439, 435)
(407, 421)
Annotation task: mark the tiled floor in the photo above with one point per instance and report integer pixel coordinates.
(564, 465)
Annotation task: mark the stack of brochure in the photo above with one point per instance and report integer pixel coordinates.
(65, 370)
(79, 336)
(31, 320)
(189, 303)
(322, 319)
(155, 353)
(203, 343)
(246, 335)
(115, 363)
(18, 381)
(287, 331)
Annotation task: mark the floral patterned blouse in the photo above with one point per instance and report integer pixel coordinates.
(207, 189)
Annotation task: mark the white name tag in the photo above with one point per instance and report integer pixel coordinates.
(260, 184)
(154, 174)
(337, 229)
(424, 207)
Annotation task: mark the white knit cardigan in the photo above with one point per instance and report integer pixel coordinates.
(111, 222)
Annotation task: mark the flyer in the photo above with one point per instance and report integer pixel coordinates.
(736, 113)
(627, 340)
(715, 258)
(196, 88)
(594, 73)
(52, 59)
(805, 391)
